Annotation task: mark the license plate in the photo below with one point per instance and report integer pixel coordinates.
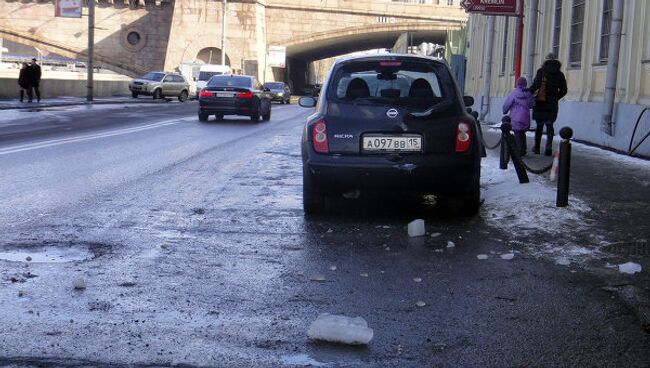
(386, 143)
(224, 94)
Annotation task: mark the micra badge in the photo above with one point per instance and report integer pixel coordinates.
(343, 136)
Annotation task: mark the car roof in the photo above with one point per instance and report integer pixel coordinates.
(213, 68)
(388, 56)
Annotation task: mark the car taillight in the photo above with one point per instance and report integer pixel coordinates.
(463, 140)
(319, 133)
(246, 95)
(205, 93)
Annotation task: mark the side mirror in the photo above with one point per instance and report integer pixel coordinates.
(266, 89)
(469, 110)
(468, 100)
(475, 115)
(307, 102)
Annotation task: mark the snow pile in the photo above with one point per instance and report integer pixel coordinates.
(528, 208)
(342, 329)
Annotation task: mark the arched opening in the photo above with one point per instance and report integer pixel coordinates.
(211, 55)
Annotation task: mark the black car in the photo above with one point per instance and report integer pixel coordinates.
(279, 91)
(391, 123)
(234, 95)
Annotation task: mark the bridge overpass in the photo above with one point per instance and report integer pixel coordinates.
(132, 37)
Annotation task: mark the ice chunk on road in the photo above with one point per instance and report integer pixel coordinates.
(420, 303)
(416, 228)
(563, 261)
(435, 235)
(79, 284)
(336, 328)
(482, 256)
(508, 256)
(629, 268)
(451, 244)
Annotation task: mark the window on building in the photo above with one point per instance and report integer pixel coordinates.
(577, 25)
(504, 51)
(605, 30)
(557, 27)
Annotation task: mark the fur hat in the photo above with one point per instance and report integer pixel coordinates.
(551, 56)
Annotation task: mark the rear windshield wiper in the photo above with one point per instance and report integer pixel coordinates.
(433, 109)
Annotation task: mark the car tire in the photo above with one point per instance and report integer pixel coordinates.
(219, 117)
(134, 94)
(267, 116)
(157, 94)
(203, 116)
(183, 96)
(255, 118)
(313, 201)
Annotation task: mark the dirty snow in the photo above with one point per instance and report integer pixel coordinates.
(629, 268)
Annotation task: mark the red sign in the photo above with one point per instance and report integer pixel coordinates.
(491, 7)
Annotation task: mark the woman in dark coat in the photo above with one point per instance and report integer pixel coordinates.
(550, 86)
(23, 82)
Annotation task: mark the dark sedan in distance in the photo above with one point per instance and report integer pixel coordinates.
(391, 124)
(279, 91)
(234, 95)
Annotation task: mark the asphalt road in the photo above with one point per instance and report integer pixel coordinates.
(189, 247)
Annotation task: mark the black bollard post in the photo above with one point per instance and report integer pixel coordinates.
(564, 168)
(514, 153)
(504, 157)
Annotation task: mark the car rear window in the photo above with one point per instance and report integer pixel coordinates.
(230, 81)
(204, 76)
(156, 77)
(417, 84)
(274, 85)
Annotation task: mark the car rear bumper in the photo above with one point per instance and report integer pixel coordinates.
(431, 174)
(226, 109)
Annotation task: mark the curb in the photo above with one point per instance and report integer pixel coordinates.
(82, 103)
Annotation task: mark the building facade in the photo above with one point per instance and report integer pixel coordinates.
(578, 32)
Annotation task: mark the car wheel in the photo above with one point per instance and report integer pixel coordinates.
(183, 96)
(219, 117)
(255, 118)
(267, 116)
(313, 201)
(203, 116)
(134, 94)
(157, 94)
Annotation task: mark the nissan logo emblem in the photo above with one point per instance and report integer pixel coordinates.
(392, 113)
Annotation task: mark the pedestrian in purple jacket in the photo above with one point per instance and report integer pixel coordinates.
(519, 103)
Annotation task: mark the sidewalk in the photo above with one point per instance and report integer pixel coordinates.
(72, 101)
(615, 190)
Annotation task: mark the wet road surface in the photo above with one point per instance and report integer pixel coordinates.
(188, 246)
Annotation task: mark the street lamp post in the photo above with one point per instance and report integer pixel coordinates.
(91, 49)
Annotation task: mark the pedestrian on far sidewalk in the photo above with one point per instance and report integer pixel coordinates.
(549, 86)
(518, 104)
(23, 82)
(35, 79)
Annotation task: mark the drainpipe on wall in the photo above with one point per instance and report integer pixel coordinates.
(531, 40)
(487, 71)
(612, 67)
(223, 32)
